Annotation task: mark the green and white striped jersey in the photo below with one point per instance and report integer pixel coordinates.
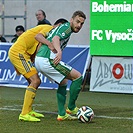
(63, 31)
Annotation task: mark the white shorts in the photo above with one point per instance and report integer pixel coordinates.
(54, 72)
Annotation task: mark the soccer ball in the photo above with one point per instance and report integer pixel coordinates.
(85, 114)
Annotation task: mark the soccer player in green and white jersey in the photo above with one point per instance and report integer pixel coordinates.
(50, 64)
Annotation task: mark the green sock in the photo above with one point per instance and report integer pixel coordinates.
(75, 88)
(61, 99)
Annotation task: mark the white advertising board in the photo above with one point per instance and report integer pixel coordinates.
(112, 74)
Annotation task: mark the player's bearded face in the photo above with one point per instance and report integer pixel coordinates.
(77, 23)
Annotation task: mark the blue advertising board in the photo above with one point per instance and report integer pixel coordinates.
(75, 56)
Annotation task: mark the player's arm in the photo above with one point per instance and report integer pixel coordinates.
(40, 38)
(32, 57)
(56, 43)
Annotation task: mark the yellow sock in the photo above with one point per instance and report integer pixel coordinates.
(28, 100)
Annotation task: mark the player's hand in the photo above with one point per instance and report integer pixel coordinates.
(54, 51)
(58, 57)
(51, 47)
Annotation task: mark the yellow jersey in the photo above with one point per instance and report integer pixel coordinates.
(26, 43)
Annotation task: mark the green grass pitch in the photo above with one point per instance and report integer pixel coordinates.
(113, 113)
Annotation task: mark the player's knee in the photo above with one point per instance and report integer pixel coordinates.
(36, 82)
(78, 75)
(64, 82)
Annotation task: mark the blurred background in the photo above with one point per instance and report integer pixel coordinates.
(22, 12)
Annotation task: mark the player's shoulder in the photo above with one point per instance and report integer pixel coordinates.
(45, 25)
(67, 24)
(67, 28)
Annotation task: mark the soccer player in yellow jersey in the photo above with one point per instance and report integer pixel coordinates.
(21, 55)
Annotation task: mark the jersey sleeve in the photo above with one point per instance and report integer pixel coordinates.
(46, 30)
(64, 31)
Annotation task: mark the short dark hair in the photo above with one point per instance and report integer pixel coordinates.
(79, 13)
(61, 20)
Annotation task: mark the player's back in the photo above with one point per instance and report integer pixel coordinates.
(27, 42)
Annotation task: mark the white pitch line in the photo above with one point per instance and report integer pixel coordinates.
(49, 112)
(10, 109)
(111, 117)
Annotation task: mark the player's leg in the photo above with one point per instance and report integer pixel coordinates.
(61, 100)
(75, 88)
(56, 73)
(34, 82)
(61, 97)
(24, 66)
(27, 114)
(30, 93)
(44, 65)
